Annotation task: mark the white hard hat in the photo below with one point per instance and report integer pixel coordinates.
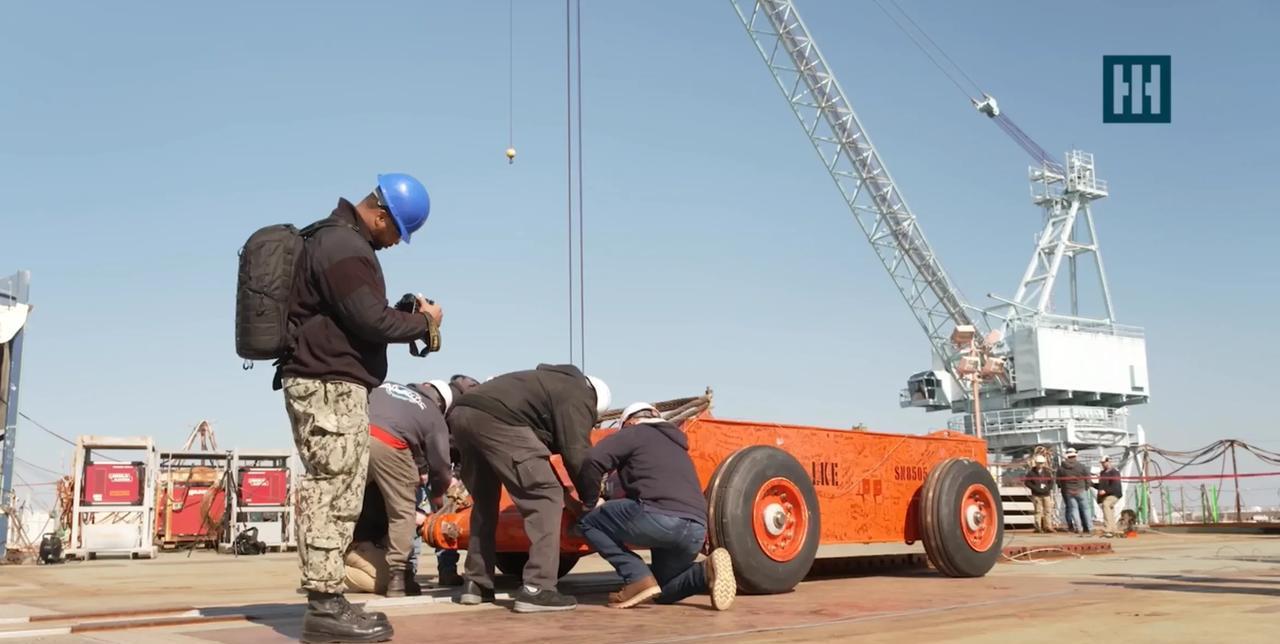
(603, 396)
(1040, 460)
(635, 407)
(446, 393)
(1071, 451)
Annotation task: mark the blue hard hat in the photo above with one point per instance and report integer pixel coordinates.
(407, 201)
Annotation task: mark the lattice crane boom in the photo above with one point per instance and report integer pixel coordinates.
(823, 109)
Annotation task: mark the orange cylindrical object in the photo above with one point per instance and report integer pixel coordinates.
(867, 483)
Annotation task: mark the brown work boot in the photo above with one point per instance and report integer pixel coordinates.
(635, 593)
(721, 583)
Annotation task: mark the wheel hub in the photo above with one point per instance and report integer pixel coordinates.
(977, 507)
(974, 517)
(775, 518)
(781, 519)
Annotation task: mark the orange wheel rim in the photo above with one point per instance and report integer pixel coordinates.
(978, 517)
(780, 519)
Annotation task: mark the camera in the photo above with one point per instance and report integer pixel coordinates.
(408, 303)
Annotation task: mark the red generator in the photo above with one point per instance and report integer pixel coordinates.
(112, 484)
(264, 486)
(183, 517)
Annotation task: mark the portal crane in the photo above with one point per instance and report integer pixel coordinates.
(1069, 377)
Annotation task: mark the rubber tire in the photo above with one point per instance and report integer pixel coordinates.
(939, 517)
(512, 563)
(731, 496)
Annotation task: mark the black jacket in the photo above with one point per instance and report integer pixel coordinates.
(1109, 482)
(413, 415)
(1073, 477)
(653, 465)
(339, 310)
(555, 401)
(1040, 480)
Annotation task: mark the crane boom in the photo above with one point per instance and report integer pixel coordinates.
(828, 119)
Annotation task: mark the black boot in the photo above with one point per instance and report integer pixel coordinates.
(377, 616)
(411, 586)
(331, 618)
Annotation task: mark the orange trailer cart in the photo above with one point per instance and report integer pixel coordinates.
(777, 492)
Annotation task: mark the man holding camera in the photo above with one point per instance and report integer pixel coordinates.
(342, 325)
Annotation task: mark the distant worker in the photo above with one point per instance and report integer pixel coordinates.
(664, 510)
(1073, 480)
(506, 430)
(410, 446)
(1040, 479)
(343, 325)
(1109, 495)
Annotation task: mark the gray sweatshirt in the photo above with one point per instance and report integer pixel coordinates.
(413, 415)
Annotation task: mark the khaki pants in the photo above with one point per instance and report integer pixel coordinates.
(396, 476)
(331, 431)
(1109, 512)
(1044, 512)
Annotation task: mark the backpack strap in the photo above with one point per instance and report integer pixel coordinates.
(306, 233)
(328, 222)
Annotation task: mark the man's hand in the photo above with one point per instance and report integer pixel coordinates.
(431, 309)
(575, 508)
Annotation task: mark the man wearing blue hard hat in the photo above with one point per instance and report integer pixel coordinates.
(341, 325)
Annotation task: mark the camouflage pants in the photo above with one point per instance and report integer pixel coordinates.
(331, 431)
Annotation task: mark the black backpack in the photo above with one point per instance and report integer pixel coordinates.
(247, 543)
(268, 262)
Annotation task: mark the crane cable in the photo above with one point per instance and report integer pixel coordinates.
(573, 124)
(927, 53)
(1000, 118)
(582, 271)
(511, 83)
(568, 110)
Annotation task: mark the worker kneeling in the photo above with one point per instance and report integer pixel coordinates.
(664, 510)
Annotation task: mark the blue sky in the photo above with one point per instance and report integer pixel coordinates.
(139, 147)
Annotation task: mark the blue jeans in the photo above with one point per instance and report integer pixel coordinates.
(673, 542)
(446, 560)
(1077, 505)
